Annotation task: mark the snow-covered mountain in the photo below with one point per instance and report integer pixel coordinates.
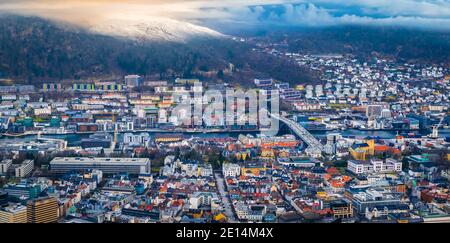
(154, 29)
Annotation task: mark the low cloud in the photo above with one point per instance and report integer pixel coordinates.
(434, 14)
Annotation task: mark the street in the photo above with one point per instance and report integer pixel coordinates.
(223, 194)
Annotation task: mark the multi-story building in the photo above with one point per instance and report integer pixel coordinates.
(14, 214)
(43, 111)
(108, 87)
(84, 87)
(133, 166)
(341, 209)
(372, 197)
(199, 199)
(374, 166)
(22, 190)
(377, 212)
(229, 169)
(25, 168)
(133, 80)
(3, 199)
(52, 87)
(42, 210)
(142, 139)
(263, 82)
(4, 166)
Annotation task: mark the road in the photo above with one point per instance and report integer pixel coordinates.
(301, 132)
(224, 196)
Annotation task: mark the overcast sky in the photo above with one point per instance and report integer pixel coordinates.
(412, 13)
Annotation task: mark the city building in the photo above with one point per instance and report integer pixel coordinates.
(133, 80)
(360, 151)
(229, 169)
(4, 166)
(42, 210)
(263, 82)
(341, 208)
(3, 199)
(24, 169)
(13, 214)
(331, 146)
(374, 166)
(374, 198)
(200, 199)
(22, 190)
(142, 139)
(52, 87)
(135, 166)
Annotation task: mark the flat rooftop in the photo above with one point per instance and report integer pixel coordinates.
(90, 160)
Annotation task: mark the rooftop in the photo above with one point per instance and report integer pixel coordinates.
(91, 160)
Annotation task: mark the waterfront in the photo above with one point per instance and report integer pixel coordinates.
(75, 139)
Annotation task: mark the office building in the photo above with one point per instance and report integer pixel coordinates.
(106, 165)
(331, 146)
(133, 80)
(97, 140)
(25, 168)
(341, 208)
(22, 190)
(4, 166)
(42, 210)
(229, 169)
(374, 166)
(142, 139)
(263, 82)
(374, 198)
(3, 199)
(14, 214)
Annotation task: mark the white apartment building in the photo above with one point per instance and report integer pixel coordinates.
(374, 166)
(199, 199)
(142, 139)
(43, 111)
(25, 168)
(4, 166)
(232, 170)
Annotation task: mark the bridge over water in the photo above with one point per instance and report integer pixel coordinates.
(300, 131)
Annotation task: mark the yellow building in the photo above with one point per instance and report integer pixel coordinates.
(247, 171)
(322, 194)
(361, 151)
(42, 210)
(13, 214)
(220, 217)
(300, 87)
(341, 209)
(358, 153)
(268, 153)
(283, 154)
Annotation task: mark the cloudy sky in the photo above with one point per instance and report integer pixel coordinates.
(433, 14)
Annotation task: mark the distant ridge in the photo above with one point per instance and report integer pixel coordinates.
(159, 29)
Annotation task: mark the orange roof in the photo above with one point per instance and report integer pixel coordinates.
(381, 148)
(337, 183)
(332, 171)
(346, 178)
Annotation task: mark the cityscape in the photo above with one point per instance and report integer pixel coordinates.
(364, 139)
